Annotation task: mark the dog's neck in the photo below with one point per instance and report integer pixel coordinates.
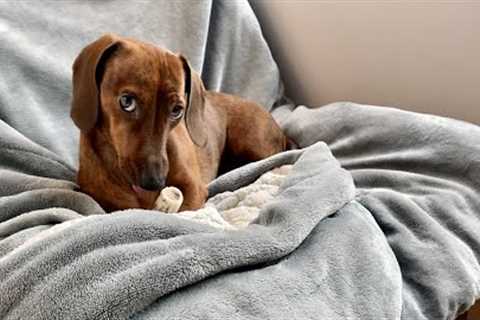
(110, 188)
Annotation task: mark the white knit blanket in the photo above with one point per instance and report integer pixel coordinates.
(236, 209)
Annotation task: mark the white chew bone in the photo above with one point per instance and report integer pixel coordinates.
(169, 200)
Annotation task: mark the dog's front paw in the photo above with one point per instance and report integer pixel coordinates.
(169, 201)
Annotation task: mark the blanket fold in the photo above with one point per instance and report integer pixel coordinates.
(378, 218)
(138, 250)
(419, 177)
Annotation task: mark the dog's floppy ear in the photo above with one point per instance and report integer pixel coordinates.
(85, 101)
(195, 93)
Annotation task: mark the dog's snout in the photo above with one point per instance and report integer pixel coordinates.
(152, 182)
(153, 175)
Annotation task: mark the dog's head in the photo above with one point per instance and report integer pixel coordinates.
(133, 94)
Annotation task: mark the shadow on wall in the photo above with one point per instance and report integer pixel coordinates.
(421, 56)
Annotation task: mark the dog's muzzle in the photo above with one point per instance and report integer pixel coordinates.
(152, 182)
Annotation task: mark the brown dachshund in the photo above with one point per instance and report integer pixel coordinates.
(147, 122)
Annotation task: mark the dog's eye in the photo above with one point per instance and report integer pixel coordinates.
(127, 102)
(176, 112)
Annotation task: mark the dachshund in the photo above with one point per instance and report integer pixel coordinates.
(146, 121)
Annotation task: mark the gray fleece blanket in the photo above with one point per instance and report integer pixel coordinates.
(379, 217)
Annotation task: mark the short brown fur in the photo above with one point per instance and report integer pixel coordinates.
(117, 148)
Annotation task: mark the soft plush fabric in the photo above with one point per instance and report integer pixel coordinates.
(236, 209)
(377, 219)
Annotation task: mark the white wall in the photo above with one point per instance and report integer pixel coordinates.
(418, 55)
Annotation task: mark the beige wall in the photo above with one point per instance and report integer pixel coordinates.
(417, 55)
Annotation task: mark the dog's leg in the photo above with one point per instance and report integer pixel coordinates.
(194, 190)
(184, 172)
(195, 196)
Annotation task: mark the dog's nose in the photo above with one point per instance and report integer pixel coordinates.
(152, 183)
